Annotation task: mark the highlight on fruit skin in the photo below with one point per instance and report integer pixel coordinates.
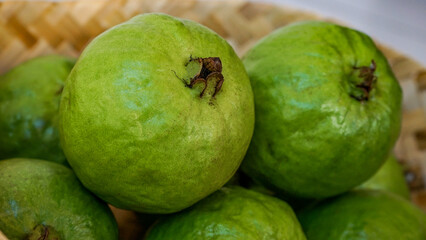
(157, 114)
(44, 200)
(328, 110)
(364, 214)
(231, 213)
(29, 108)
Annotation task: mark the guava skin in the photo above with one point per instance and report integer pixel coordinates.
(29, 108)
(38, 193)
(231, 213)
(362, 215)
(135, 134)
(390, 177)
(313, 138)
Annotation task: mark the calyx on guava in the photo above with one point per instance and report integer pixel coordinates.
(206, 69)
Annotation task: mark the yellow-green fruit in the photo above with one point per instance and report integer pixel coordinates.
(364, 215)
(390, 177)
(135, 131)
(29, 108)
(231, 213)
(43, 200)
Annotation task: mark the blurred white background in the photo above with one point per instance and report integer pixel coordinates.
(400, 24)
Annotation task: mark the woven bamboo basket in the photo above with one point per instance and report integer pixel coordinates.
(35, 28)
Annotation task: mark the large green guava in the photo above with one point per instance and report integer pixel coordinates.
(362, 215)
(137, 126)
(29, 103)
(231, 213)
(390, 177)
(328, 109)
(44, 200)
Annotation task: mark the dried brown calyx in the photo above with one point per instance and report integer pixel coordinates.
(203, 71)
(42, 232)
(366, 73)
(60, 90)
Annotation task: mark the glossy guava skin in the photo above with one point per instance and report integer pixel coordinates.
(37, 192)
(29, 108)
(231, 213)
(311, 138)
(362, 215)
(390, 177)
(135, 135)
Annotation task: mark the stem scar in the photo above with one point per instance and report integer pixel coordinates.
(210, 67)
(367, 73)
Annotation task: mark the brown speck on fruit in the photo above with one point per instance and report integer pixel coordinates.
(211, 68)
(44, 234)
(367, 73)
(59, 91)
(212, 64)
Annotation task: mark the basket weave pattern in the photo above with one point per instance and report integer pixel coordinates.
(30, 29)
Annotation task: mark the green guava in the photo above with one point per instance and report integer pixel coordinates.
(44, 200)
(390, 177)
(362, 215)
(328, 110)
(231, 213)
(157, 113)
(29, 103)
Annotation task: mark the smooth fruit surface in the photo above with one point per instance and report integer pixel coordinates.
(328, 109)
(29, 108)
(44, 200)
(135, 130)
(231, 213)
(362, 215)
(390, 177)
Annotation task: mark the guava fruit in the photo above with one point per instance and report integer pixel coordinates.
(364, 214)
(157, 113)
(29, 108)
(44, 200)
(231, 213)
(390, 177)
(328, 109)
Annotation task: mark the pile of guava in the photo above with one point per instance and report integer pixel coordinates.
(160, 131)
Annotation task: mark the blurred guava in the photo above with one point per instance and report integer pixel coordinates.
(29, 108)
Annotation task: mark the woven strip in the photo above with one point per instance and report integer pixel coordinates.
(2, 236)
(30, 29)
